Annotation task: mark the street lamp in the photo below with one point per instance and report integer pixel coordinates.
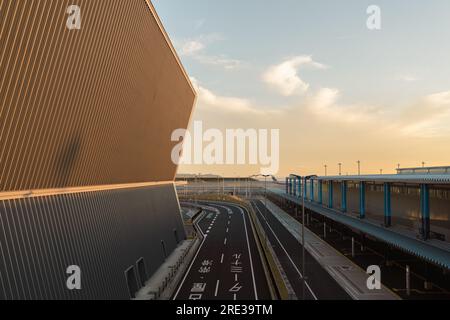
(265, 196)
(340, 168)
(359, 167)
(325, 166)
(305, 179)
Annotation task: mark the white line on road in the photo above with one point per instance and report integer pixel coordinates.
(227, 230)
(234, 297)
(249, 252)
(248, 248)
(217, 288)
(221, 259)
(287, 254)
(225, 241)
(192, 263)
(235, 277)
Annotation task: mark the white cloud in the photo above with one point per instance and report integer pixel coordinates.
(429, 117)
(285, 78)
(325, 104)
(440, 100)
(407, 78)
(207, 99)
(221, 61)
(191, 47)
(196, 49)
(198, 24)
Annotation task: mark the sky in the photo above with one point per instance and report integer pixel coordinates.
(337, 91)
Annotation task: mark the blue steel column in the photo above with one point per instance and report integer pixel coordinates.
(330, 194)
(299, 187)
(425, 210)
(362, 199)
(311, 190)
(320, 191)
(387, 205)
(305, 193)
(344, 196)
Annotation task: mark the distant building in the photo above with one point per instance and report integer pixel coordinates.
(410, 210)
(425, 170)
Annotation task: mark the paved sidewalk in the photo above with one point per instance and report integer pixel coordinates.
(350, 276)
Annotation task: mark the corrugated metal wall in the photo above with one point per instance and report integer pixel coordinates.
(87, 107)
(103, 233)
(92, 106)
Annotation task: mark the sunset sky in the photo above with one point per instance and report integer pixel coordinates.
(337, 91)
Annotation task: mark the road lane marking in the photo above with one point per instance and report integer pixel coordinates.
(248, 246)
(235, 297)
(285, 251)
(227, 230)
(235, 269)
(249, 252)
(217, 288)
(225, 241)
(192, 263)
(236, 277)
(221, 259)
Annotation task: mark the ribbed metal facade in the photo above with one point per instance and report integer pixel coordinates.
(104, 233)
(93, 106)
(86, 108)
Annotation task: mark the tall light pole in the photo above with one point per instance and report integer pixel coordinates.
(423, 164)
(359, 167)
(340, 168)
(265, 198)
(325, 166)
(303, 184)
(195, 191)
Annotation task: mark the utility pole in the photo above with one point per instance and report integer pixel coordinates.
(325, 166)
(359, 167)
(340, 168)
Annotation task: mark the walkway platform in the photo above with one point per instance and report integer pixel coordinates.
(349, 276)
(428, 250)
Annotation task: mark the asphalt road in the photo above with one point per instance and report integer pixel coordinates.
(320, 285)
(227, 265)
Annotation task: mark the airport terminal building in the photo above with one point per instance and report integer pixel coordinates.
(86, 117)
